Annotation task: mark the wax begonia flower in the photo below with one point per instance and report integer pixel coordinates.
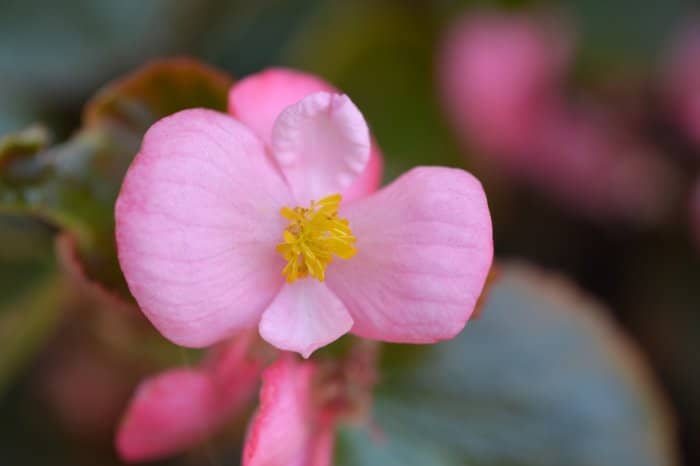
(177, 409)
(289, 429)
(207, 208)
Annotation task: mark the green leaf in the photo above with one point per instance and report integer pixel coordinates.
(74, 185)
(157, 90)
(541, 378)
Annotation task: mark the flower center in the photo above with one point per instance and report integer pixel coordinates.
(313, 237)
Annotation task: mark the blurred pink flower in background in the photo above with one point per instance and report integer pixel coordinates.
(681, 79)
(585, 158)
(199, 228)
(499, 75)
(503, 87)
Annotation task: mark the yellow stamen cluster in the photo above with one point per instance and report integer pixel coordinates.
(313, 237)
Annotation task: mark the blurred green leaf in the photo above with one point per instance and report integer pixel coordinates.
(24, 143)
(26, 321)
(541, 378)
(74, 185)
(157, 90)
(26, 249)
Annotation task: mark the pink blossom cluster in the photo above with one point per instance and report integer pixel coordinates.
(502, 76)
(269, 218)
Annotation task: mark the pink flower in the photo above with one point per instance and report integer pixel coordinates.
(225, 222)
(177, 409)
(681, 79)
(300, 404)
(497, 73)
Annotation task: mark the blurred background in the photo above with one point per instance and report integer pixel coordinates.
(581, 118)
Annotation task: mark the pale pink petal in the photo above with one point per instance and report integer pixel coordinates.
(321, 144)
(370, 179)
(259, 99)
(169, 414)
(424, 250)
(282, 429)
(303, 317)
(197, 221)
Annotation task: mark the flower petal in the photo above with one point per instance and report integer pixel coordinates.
(321, 144)
(321, 445)
(259, 99)
(177, 409)
(282, 429)
(236, 364)
(197, 221)
(370, 179)
(304, 316)
(235, 369)
(424, 249)
(169, 414)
